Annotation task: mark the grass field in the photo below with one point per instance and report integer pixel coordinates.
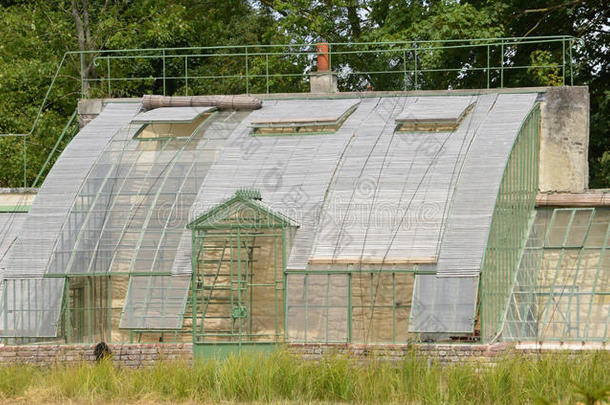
(283, 378)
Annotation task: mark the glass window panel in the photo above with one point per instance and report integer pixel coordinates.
(170, 130)
(580, 225)
(559, 227)
(599, 228)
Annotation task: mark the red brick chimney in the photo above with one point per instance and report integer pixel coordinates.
(323, 65)
(323, 80)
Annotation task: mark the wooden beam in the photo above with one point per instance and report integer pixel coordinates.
(586, 199)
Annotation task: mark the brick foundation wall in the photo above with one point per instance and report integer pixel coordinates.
(443, 353)
(126, 355)
(142, 355)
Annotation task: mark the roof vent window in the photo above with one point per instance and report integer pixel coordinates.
(434, 114)
(305, 117)
(171, 122)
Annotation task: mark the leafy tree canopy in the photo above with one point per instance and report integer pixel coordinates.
(36, 34)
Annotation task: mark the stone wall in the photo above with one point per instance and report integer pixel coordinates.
(126, 355)
(564, 140)
(445, 353)
(442, 353)
(143, 355)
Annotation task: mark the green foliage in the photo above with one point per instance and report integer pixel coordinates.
(279, 377)
(602, 172)
(42, 30)
(599, 142)
(546, 72)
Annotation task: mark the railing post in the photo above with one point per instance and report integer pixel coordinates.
(109, 307)
(267, 71)
(186, 75)
(25, 163)
(3, 288)
(247, 74)
(487, 65)
(571, 64)
(404, 70)
(563, 64)
(164, 72)
(108, 77)
(349, 307)
(415, 61)
(67, 314)
(82, 75)
(502, 65)
(330, 69)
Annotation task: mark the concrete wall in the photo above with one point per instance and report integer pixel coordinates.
(88, 110)
(17, 197)
(564, 140)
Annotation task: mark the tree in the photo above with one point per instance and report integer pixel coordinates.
(397, 20)
(588, 20)
(42, 30)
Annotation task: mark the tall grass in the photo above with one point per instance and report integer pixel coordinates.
(282, 377)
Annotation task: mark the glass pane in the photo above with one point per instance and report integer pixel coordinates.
(170, 130)
(599, 228)
(578, 230)
(559, 227)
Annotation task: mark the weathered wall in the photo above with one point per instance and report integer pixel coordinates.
(143, 355)
(441, 353)
(564, 140)
(88, 110)
(323, 82)
(126, 355)
(17, 197)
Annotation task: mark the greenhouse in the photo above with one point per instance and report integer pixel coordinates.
(368, 220)
(365, 218)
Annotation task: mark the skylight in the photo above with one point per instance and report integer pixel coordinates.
(305, 117)
(171, 122)
(434, 114)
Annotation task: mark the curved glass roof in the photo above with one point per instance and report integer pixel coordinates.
(118, 204)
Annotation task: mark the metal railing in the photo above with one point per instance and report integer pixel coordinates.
(409, 61)
(401, 65)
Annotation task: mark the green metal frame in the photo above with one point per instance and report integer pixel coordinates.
(86, 305)
(87, 309)
(26, 310)
(563, 282)
(362, 306)
(405, 50)
(226, 242)
(509, 226)
(69, 129)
